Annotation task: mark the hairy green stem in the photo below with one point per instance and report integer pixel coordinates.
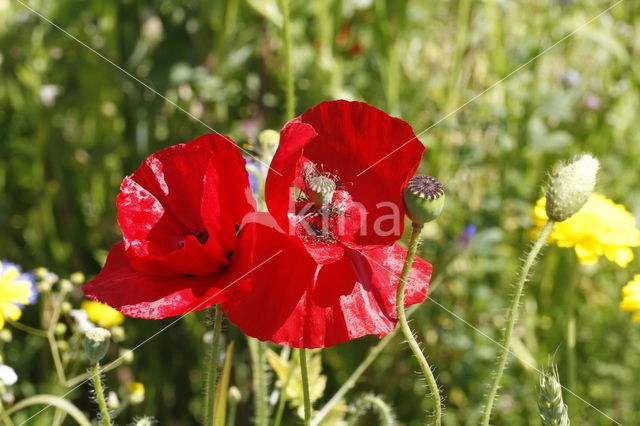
(256, 348)
(212, 369)
(377, 404)
(406, 330)
(305, 386)
(571, 344)
(362, 367)
(105, 417)
(512, 317)
(286, 41)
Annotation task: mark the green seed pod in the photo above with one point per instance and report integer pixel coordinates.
(570, 188)
(96, 344)
(423, 199)
(321, 190)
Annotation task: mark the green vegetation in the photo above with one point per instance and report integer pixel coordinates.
(73, 124)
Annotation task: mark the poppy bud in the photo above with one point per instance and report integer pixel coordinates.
(321, 190)
(423, 199)
(570, 188)
(96, 344)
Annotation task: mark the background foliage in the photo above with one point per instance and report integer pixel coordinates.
(72, 125)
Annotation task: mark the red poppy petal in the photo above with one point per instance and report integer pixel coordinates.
(351, 138)
(156, 242)
(178, 212)
(153, 296)
(295, 302)
(383, 267)
(279, 191)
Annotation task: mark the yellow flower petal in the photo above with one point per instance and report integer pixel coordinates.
(601, 227)
(102, 315)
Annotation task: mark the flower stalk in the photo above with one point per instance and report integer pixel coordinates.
(256, 348)
(406, 330)
(212, 369)
(286, 41)
(305, 386)
(105, 416)
(512, 317)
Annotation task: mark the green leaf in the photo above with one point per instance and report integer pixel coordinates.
(220, 414)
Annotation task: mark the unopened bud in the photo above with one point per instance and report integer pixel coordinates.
(77, 278)
(65, 307)
(61, 328)
(268, 140)
(570, 188)
(423, 199)
(65, 285)
(96, 344)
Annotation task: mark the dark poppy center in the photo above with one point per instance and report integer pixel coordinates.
(201, 236)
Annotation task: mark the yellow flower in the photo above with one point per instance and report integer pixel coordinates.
(135, 391)
(101, 314)
(631, 297)
(16, 290)
(601, 227)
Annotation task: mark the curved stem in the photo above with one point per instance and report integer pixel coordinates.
(51, 400)
(362, 367)
(384, 411)
(305, 386)
(406, 330)
(27, 329)
(212, 370)
(512, 317)
(286, 41)
(105, 417)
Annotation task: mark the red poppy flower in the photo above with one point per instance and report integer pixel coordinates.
(343, 142)
(336, 270)
(179, 214)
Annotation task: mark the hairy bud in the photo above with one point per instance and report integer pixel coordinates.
(570, 188)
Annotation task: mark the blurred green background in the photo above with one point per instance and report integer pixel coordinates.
(73, 125)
